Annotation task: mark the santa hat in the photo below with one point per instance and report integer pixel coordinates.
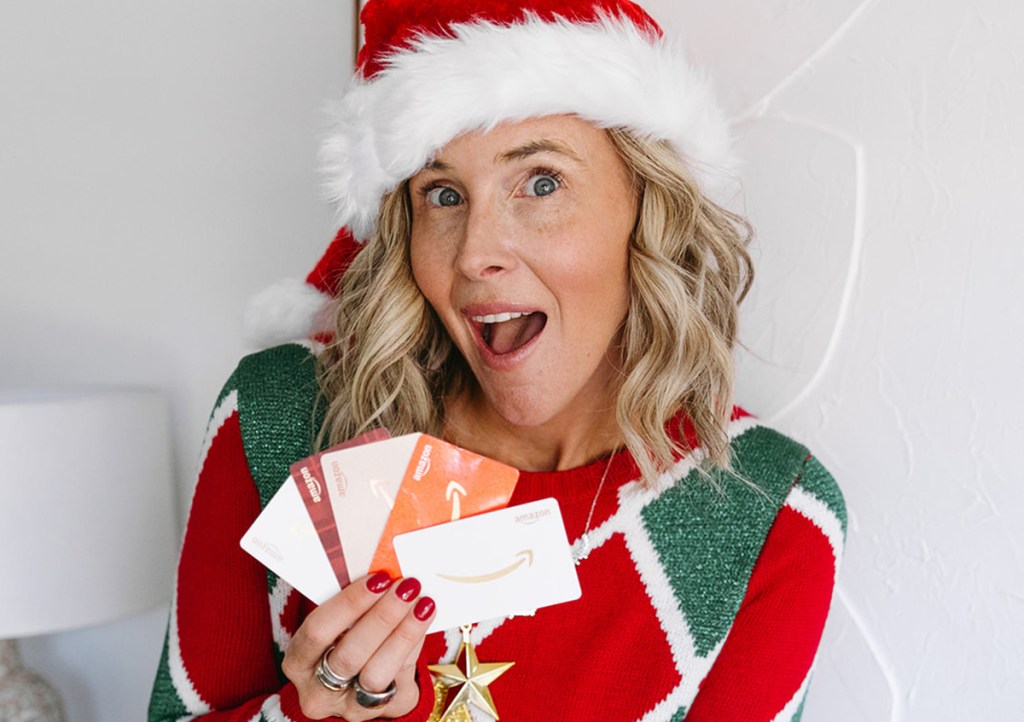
(431, 71)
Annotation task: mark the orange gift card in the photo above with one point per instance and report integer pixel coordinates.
(442, 483)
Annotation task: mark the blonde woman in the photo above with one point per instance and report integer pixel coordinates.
(534, 267)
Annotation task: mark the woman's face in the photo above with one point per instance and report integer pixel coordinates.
(519, 242)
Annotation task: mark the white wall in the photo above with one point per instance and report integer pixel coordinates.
(885, 143)
(157, 167)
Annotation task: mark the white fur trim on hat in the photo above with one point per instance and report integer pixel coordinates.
(289, 310)
(608, 72)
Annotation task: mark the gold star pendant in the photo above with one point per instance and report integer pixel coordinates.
(473, 681)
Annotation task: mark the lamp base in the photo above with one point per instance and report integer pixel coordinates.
(24, 695)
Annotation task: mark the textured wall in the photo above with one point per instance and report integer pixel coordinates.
(156, 167)
(884, 145)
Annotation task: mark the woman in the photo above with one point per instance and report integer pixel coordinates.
(547, 280)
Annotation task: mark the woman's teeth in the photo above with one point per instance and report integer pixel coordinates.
(498, 317)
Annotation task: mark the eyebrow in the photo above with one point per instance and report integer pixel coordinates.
(544, 145)
(526, 150)
(435, 164)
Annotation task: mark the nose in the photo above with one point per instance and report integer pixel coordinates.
(486, 247)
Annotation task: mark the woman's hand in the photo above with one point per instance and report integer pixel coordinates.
(376, 629)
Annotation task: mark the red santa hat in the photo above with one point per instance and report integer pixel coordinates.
(431, 71)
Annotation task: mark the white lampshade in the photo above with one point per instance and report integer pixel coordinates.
(87, 513)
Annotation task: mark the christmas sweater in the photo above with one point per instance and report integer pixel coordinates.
(701, 601)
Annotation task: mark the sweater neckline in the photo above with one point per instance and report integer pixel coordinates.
(579, 482)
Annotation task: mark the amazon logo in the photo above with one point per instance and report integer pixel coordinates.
(523, 557)
(423, 465)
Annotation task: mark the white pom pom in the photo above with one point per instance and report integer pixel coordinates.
(287, 311)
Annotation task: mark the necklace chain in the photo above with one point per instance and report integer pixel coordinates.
(583, 550)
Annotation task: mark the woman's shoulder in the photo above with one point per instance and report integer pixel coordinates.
(275, 392)
(707, 528)
(783, 467)
(273, 367)
(736, 507)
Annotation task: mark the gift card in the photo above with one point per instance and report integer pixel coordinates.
(284, 539)
(497, 564)
(442, 483)
(308, 476)
(362, 483)
(335, 518)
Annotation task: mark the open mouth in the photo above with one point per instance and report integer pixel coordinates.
(504, 333)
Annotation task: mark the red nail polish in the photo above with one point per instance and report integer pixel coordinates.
(408, 590)
(424, 608)
(379, 582)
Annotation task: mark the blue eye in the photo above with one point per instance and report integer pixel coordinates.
(542, 184)
(443, 196)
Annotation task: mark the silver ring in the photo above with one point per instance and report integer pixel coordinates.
(373, 700)
(327, 677)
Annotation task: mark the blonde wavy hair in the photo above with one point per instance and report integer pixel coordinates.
(392, 363)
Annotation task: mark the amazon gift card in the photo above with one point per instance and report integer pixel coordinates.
(442, 483)
(498, 564)
(358, 496)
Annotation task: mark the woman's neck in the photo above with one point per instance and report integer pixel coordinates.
(555, 445)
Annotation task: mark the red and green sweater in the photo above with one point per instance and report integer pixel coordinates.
(696, 605)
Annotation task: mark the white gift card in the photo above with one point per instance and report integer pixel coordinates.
(506, 562)
(284, 539)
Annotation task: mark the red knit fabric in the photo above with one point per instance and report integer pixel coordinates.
(393, 24)
(225, 498)
(775, 635)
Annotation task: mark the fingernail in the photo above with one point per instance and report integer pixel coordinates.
(379, 582)
(408, 590)
(424, 608)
